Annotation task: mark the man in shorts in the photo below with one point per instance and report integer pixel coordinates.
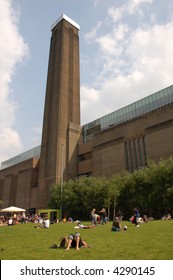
(75, 241)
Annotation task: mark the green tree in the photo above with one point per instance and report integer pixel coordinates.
(150, 189)
(116, 184)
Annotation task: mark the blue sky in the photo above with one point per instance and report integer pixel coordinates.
(125, 55)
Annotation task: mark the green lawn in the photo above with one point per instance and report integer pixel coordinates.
(151, 241)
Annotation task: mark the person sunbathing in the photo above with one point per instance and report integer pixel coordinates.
(75, 241)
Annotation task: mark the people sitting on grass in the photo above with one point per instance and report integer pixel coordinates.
(166, 217)
(64, 220)
(45, 223)
(145, 219)
(169, 217)
(116, 225)
(70, 220)
(10, 221)
(3, 221)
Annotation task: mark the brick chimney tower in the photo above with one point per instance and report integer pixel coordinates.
(61, 123)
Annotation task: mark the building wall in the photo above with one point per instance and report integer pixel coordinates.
(73, 134)
(18, 183)
(128, 146)
(84, 156)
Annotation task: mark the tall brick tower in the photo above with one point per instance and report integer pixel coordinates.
(61, 123)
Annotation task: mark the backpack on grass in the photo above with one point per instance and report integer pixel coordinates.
(63, 244)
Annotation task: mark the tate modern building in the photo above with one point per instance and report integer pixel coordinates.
(122, 140)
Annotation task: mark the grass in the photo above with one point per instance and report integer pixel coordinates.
(151, 241)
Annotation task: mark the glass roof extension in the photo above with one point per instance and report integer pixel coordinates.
(35, 152)
(129, 112)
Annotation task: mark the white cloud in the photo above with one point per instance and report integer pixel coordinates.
(92, 34)
(134, 61)
(12, 51)
(130, 7)
(36, 132)
(96, 2)
(89, 99)
(110, 43)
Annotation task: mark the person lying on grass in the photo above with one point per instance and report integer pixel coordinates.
(75, 241)
(72, 241)
(81, 226)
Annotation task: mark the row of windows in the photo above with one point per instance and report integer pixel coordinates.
(131, 111)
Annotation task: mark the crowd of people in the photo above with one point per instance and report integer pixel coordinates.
(166, 217)
(9, 220)
(75, 240)
(21, 218)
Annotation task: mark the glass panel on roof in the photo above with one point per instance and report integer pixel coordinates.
(135, 109)
(35, 152)
(166, 96)
(170, 90)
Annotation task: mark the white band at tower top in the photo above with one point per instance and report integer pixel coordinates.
(63, 16)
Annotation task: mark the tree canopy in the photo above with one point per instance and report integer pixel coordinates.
(150, 189)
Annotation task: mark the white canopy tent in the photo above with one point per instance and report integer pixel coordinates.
(12, 209)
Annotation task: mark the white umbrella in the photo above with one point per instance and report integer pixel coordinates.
(13, 209)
